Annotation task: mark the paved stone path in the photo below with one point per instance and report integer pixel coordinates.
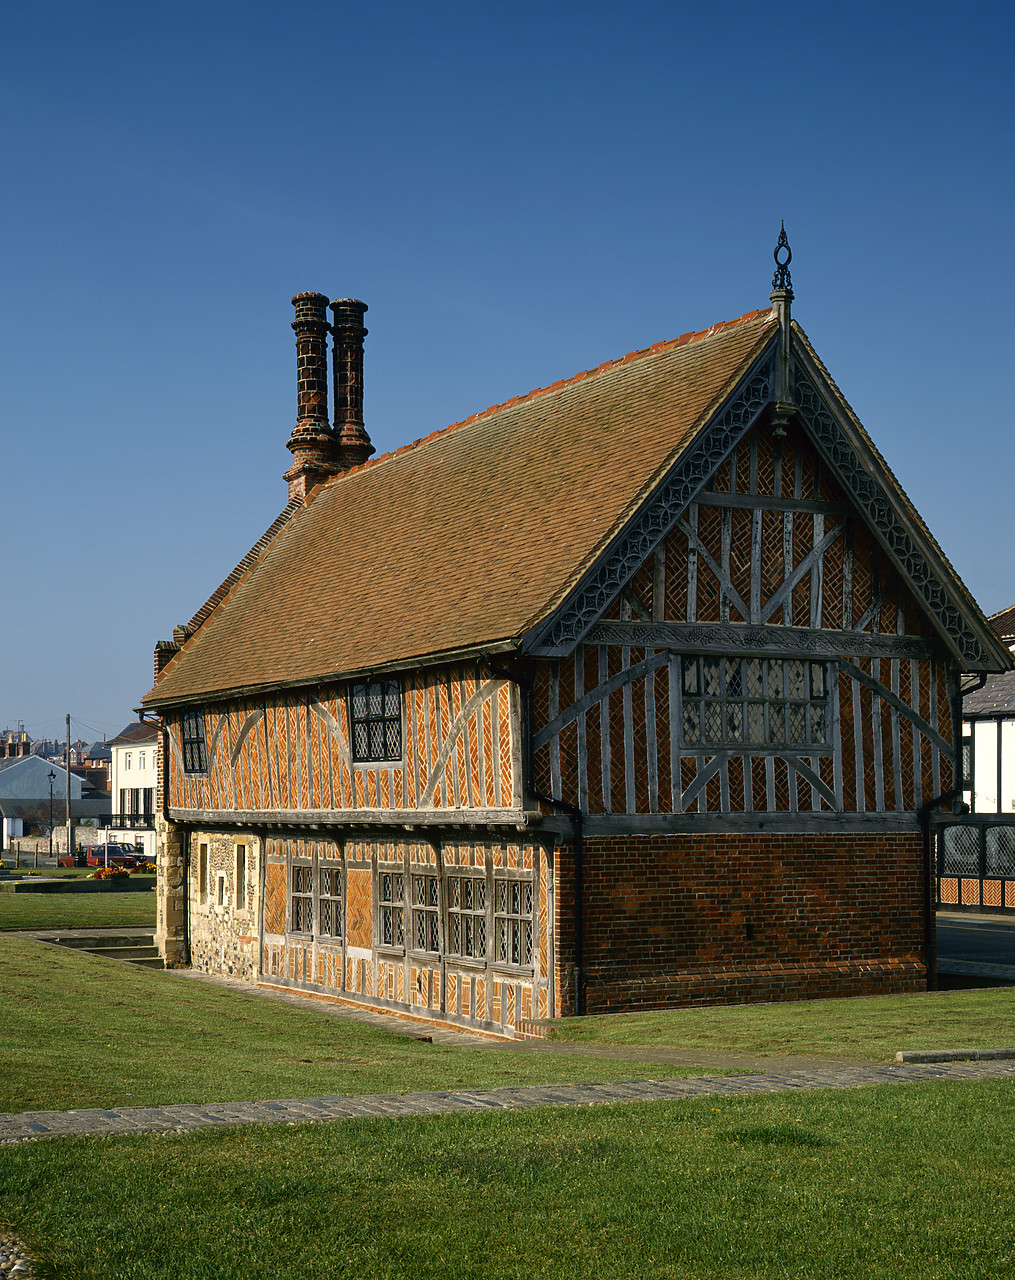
(185, 1117)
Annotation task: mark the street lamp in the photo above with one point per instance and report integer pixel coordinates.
(52, 779)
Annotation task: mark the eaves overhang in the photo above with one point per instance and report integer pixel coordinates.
(416, 662)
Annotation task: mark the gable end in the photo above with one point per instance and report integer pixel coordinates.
(585, 603)
(889, 522)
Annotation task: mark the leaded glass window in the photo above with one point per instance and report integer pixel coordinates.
(466, 916)
(329, 901)
(301, 899)
(195, 758)
(754, 702)
(392, 903)
(513, 921)
(375, 719)
(425, 914)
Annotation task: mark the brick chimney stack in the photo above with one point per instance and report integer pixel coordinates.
(351, 439)
(312, 441)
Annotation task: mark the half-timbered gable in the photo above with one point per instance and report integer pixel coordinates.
(767, 656)
(643, 702)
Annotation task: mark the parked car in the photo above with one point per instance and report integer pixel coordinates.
(120, 855)
(113, 855)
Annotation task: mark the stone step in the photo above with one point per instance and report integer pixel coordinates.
(123, 953)
(103, 941)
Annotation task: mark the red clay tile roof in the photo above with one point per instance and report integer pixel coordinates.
(468, 537)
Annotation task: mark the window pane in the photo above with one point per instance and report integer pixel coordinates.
(691, 731)
(734, 682)
(690, 668)
(734, 722)
(756, 723)
(710, 668)
(795, 685)
(817, 680)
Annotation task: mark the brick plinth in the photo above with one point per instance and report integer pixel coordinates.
(709, 919)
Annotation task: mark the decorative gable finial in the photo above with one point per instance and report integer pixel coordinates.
(781, 279)
(781, 296)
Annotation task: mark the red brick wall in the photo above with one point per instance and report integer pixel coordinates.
(666, 918)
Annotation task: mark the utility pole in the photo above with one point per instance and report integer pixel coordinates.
(70, 824)
(52, 779)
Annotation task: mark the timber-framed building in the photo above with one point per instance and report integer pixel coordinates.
(628, 692)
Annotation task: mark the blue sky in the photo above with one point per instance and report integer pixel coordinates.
(518, 192)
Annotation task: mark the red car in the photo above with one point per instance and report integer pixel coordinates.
(119, 855)
(112, 855)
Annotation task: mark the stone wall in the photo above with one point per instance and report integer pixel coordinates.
(223, 887)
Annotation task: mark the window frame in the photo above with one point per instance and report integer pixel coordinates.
(193, 745)
(425, 910)
(391, 910)
(330, 867)
(739, 705)
(466, 916)
(301, 899)
(386, 720)
(240, 878)
(518, 919)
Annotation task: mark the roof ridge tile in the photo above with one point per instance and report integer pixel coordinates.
(667, 344)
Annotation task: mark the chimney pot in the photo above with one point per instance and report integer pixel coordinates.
(348, 332)
(311, 442)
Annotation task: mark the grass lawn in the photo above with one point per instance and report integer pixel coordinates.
(84, 1031)
(76, 910)
(888, 1183)
(874, 1027)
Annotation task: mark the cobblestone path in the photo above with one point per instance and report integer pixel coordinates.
(185, 1117)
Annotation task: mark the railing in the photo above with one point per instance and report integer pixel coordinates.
(975, 856)
(132, 821)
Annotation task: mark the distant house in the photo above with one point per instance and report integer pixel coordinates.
(25, 795)
(27, 778)
(988, 733)
(625, 693)
(134, 753)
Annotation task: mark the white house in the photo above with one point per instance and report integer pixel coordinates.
(134, 782)
(988, 734)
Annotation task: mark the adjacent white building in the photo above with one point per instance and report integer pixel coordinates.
(134, 783)
(988, 734)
